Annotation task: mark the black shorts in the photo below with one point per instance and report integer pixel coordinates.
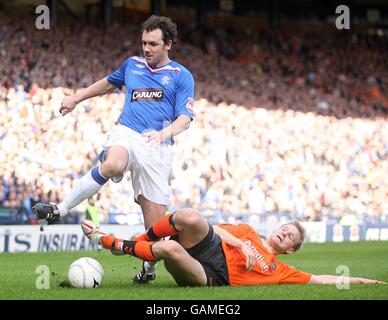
(211, 256)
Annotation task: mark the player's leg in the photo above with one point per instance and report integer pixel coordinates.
(197, 237)
(152, 212)
(185, 269)
(189, 223)
(114, 164)
(150, 180)
(151, 190)
(192, 227)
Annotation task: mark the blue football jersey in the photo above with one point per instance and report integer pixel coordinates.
(154, 97)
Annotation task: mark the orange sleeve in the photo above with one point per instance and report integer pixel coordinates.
(291, 275)
(238, 230)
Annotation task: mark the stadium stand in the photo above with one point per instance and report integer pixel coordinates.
(286, 123)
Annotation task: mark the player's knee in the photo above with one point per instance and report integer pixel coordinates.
(188, 217)
(112, 168)
(167, 249)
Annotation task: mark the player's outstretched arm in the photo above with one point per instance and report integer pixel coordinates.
(98, 88)
(329, 279)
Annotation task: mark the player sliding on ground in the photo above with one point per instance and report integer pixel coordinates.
(199, 254)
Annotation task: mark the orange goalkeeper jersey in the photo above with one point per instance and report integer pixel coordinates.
(267, 270)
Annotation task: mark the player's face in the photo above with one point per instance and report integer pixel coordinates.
(154, 48)
(285, 238)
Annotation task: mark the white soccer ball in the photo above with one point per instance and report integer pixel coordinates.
(85, 273)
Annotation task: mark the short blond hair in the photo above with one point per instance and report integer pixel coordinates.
(302, 233)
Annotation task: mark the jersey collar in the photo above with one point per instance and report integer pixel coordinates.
(155, 70)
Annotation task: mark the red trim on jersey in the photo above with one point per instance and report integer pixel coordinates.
(155, 70)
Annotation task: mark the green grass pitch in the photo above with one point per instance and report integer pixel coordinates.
(364, 259)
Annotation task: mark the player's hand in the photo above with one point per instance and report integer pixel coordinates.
(154, 138)
(250, 256)
(68, 104)
(370, 281)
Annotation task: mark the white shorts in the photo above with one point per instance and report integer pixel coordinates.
(150, 166)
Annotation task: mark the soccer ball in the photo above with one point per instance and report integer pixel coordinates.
(85, 273)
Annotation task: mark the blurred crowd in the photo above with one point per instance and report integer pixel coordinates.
(290, 124)
(341, 74)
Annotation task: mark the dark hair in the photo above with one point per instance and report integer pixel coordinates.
(165, 24)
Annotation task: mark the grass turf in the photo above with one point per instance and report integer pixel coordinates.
(364, 259)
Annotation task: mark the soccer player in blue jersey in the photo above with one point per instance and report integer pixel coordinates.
(158, 106)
